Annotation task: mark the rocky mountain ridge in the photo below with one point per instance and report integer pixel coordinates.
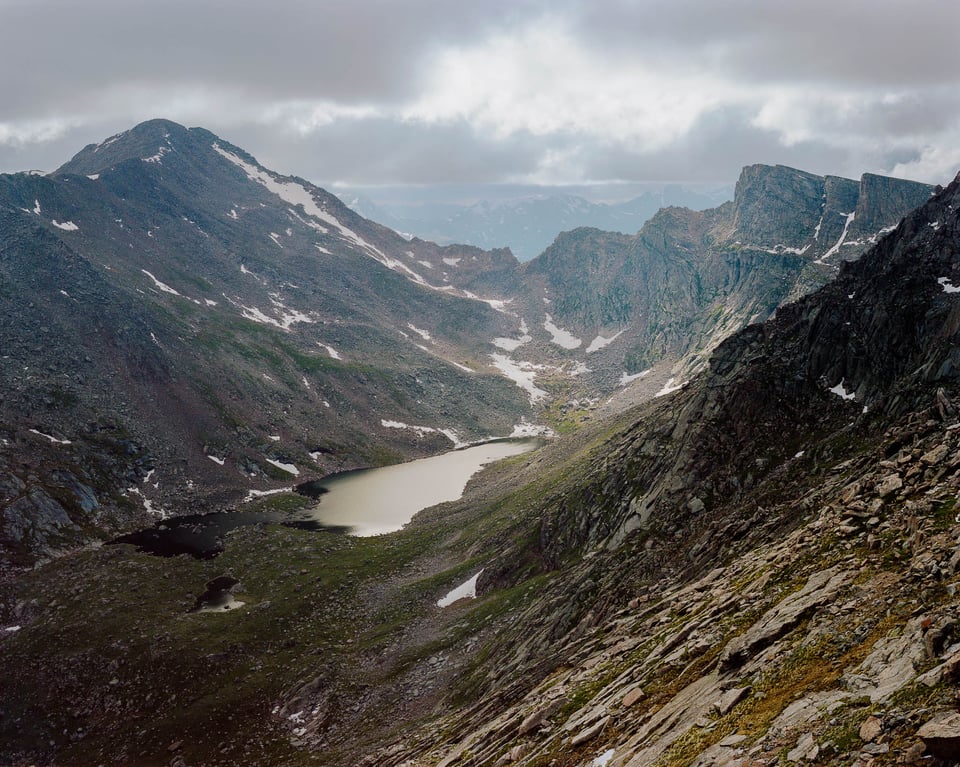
(760, 568)
(184, 326)
(669, 294)
(526, 224)
(165, 294)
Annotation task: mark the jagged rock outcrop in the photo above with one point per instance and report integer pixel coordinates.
(689, 279)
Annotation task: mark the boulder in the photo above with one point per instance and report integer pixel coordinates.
(590, 732)
(889, 485)
(632, 697)
(730, 699)
(941, 735)
(870, 729)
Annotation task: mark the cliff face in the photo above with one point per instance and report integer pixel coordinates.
(688, 279)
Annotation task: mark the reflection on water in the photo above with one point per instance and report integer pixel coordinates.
(374, 501)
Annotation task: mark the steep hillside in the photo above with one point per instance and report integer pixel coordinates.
(759, 568)
(171, 309)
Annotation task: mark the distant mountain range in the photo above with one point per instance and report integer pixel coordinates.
(181, 326)
(526, 224)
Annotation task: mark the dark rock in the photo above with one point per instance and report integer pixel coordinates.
(941, 736)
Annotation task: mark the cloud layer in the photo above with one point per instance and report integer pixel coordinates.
(526, 91)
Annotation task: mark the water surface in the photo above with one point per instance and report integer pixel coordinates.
(375, 501)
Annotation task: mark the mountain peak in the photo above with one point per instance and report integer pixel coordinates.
(149, 141)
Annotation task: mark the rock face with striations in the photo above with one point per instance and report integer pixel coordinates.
(689, 279)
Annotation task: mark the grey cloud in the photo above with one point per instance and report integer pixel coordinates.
(349, 51)
(718, 146)
(886, 43)
(104, 65)
(378, 151)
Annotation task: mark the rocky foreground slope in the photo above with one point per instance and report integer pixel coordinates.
(759, 569)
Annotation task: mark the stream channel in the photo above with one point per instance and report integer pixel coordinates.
(362, 502)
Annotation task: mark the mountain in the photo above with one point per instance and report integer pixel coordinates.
(759, 567)
(181, 325)
(184, 326)
(526, 224)
(688, 279)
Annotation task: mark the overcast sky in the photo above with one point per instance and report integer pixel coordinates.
(369, 92)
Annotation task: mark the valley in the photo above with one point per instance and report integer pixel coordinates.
(738, 543)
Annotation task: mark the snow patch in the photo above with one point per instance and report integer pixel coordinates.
(67, 226)
(276, 239)
(524, 429)
(288, 317)
(841, 391)
(162, 286)
(218, 461)
(948, 287)
(627, 378)
(603, 760)
(522, 374)
(11, 629)
(287, 467)
(451, 261)
(512, 344)
(423, 430)
(422, 333)
(331, 351)
(156, 511)
(36, 207)
(54, 440)
(600, 342)
(843, 236)
(561, 337)
(158, 157)
(466, 590)
(669, 387)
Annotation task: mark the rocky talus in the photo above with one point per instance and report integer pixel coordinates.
(836, 643)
